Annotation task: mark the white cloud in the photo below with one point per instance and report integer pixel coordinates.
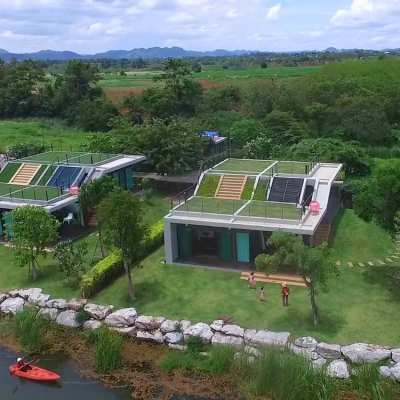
(274, 12)
(181, 18)
(366, 12)
(233, 13)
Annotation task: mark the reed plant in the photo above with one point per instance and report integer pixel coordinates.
(30, 330)
(108, 350)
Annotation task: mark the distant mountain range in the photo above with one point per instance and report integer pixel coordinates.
(169, 52)
(151, 53)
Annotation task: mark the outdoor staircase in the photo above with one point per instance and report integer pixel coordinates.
(25, 174)
(231, 187)
(322, 234)
(289, 279)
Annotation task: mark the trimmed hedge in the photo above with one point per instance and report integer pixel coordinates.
(111, 267)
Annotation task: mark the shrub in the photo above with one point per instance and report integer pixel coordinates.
(30, 329)
(178, 361)
(111, 267)
(108, 350)
(103, 273)
(195, 345)
(25, 150)
(220, 360)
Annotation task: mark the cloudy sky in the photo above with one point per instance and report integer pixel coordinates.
(90, 26)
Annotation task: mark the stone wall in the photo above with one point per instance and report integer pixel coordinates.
(173, 333)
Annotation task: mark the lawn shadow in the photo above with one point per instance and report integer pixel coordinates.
(331, 323)
(148, 292)
(387, 276)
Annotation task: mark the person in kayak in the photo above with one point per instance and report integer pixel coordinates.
(22, 365)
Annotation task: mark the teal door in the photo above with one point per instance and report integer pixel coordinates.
(184, 241)
(225, 246)
(243, 247)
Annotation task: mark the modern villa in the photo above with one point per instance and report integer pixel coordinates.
(52, 180)
(237, 205)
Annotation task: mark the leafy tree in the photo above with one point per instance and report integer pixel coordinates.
(245, 130)
(170, 147)
(92, 194)
(71, 258)
(351, 154)
(95, 115)
(289, 251)
(222, 99)
(33, 229)
(121, 215)
(259, 148)
(378, 197)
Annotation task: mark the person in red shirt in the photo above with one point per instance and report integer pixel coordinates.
(285, 294)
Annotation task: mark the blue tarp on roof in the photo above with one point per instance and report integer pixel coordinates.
(210, 134)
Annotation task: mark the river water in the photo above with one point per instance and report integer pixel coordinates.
(71, 386)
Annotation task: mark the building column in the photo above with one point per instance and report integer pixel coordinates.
(170, 242)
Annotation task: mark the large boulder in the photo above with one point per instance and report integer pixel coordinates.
(127, 331)
(266, 338)
(329, 351)
(170, 326)
(392, 372)
(76, 304)
(97, 311)
(319, 363)
(306, 342)
(232, 330)
(50, 314)
(338, 369)
(385, 372)
(3, 296)
(68, 318)
(220, 338)
(122, 318)
(252, 351)
(155, 336)
(396, 355)
(148, 323)
(61, 304)
(201, 330)
(217, 325)
(307, 353)
(185, 324)
(173, 338)
(92, 324)
(360, 353)
(25, 293)
(12, 305)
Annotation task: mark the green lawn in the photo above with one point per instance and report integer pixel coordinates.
(357, 307)
(41, 132)
(8, 172)
(211, 205)
(29, 192)
(358, 241)
(208, 186)
(244, 166)
(266, 209)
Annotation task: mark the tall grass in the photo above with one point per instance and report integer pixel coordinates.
(219, 360)
(108, 347)
(282, 375)
(366, 381)
(30, 330)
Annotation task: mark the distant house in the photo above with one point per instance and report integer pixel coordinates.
(239, 203)
(215, 143)
(52, 180)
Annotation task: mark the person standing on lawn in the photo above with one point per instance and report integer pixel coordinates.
(252, 281)
(285, 294)
(261, 295)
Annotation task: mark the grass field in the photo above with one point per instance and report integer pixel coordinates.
(289, 167)
(41, 132)
(358, 307)
(267, 209)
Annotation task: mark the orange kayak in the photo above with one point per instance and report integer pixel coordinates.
(34, 373)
